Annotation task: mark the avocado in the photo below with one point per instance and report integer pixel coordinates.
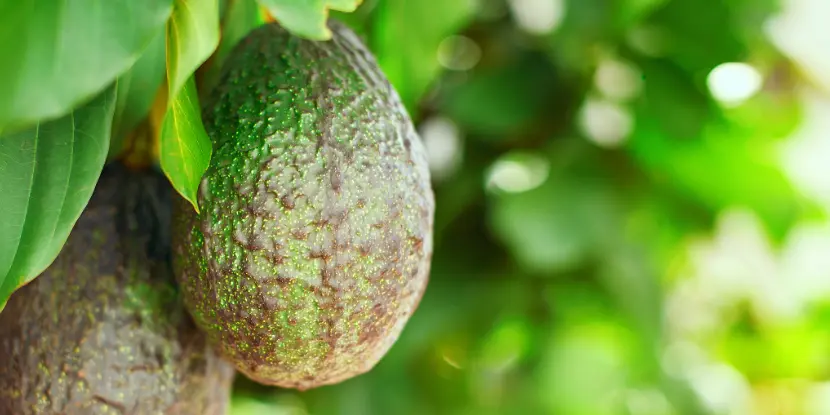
(102, 330)
(311, 249)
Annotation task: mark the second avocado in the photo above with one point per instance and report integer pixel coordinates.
(102, 330)
(313, 243)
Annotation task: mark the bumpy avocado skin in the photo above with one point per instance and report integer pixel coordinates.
(103, 330)
(312, 246)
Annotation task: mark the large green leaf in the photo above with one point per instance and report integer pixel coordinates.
(307, 18)
(136, 90)
(57, 54)
(47, 174)
(185, 146)
(406, 39)
(192, 36)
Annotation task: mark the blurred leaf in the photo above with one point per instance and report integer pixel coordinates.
(683, 141)
(307, 18)
(761, 351)
(136, 90)
(630, 12)
(239, 19)
(586, 26)
(47, 175)
(457, 195)
(557, 225)
(353, 397)
(660, 221)
(775, 114)
(246, 405)
(587, 364)
(192, 36)
(507, 344)
(503, 100)
(628, 277)
(672, 98)
(359, 19)
(699, 44)
(185, 146)
(241, 405)
(416, 28)
(57, 55)
(751, 17)
(242, 17)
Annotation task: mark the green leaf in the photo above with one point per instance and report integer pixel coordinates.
(630, 12)
(698, 45)
(725, 168)
(307, 18)
(238, 20)
(192, 36)
(406, 39)
(185, 146)
(57, 55)
(357, 20)
(47, 175)
(137, 89)
(242, 17)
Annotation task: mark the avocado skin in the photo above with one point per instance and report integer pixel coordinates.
(103, 330)
(312, 246)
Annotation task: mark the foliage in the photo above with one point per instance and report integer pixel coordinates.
(56, 55)
(612, 236)
(307, 17)
(48, 173)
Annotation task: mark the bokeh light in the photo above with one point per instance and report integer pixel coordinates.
(733, 83)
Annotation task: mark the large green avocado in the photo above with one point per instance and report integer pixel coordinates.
(102, 330)
(313, 243)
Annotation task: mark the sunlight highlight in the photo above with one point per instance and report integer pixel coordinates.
(734, 82)
(538, 16)
(518, 173)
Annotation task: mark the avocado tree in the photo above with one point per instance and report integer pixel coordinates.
(86, 83)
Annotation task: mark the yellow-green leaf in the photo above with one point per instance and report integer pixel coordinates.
(307, 18)
(185, 146)
(192, 36)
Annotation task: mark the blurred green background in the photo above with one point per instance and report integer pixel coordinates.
(632, 209)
